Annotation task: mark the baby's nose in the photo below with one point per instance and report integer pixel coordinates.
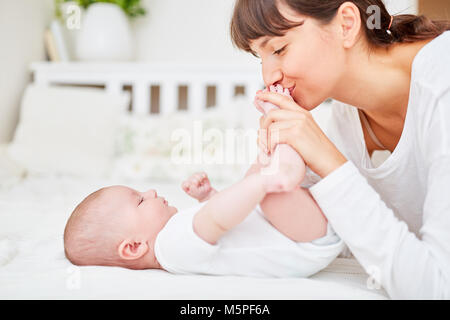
(152, 193)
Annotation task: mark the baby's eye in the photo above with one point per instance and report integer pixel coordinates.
(140, 201)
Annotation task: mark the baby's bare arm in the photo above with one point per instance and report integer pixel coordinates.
(229, 207)
(295, 213)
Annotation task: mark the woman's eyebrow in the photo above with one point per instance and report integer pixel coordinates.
(264, 43)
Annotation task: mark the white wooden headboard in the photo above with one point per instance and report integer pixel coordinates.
(170, 86)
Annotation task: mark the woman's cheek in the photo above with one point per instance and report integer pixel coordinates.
(303, 67)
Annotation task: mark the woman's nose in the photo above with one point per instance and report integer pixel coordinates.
(271, 75)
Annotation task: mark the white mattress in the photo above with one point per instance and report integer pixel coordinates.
(33, 213)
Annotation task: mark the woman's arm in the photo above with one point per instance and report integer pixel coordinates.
(406, 266)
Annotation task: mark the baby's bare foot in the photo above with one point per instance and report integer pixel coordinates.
(286, 179)
(283, 176)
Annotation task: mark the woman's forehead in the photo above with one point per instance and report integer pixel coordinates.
(264, 42)
(260, 43)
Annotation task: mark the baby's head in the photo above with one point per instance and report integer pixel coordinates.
(116, 226)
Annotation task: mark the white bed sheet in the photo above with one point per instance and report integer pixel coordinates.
(32, 263)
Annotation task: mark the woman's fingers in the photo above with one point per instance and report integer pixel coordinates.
(275, 120)
(261, 120)
(282, 115)
(262, 135)
(258, 106)
(279, 133)
(262, 140)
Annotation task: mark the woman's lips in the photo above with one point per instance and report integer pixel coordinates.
(291, 90)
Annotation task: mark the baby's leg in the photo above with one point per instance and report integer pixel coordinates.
(295, 214)
(285, 167)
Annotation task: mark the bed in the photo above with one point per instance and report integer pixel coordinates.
(55, 159)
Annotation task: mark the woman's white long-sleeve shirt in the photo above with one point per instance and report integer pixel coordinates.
(395, 218)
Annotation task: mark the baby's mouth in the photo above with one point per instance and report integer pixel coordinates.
(164, 200)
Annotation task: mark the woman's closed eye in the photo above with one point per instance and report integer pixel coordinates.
(279, 51)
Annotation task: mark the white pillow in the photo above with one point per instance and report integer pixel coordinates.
(67, 130)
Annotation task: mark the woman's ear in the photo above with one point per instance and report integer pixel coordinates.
(132, 250)
(350, 23)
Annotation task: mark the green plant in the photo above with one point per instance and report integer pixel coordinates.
(132, 8)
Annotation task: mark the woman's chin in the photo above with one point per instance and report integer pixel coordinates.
(306, 105)
(300, 102)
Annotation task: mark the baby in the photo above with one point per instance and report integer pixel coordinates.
(265, 225)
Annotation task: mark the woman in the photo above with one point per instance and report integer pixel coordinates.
(394, 218)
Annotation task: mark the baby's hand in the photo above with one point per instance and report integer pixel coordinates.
(198, 186)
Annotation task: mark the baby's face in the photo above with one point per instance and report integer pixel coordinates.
(145, 212)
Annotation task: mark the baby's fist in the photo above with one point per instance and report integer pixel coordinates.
(197, 186)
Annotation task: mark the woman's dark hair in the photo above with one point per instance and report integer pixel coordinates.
(253, 19)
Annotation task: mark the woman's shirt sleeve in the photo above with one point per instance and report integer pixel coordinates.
(407, 267)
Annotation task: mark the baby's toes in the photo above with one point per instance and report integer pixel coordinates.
(279, 88)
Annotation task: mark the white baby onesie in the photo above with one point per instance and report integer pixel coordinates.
(253, 248)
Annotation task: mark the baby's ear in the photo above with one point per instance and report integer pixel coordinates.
(132, 249)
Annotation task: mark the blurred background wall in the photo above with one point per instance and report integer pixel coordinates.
(194, 31)
(22, 25)
(197, 30)
(435, 9)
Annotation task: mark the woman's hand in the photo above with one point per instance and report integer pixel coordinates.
(295, 126)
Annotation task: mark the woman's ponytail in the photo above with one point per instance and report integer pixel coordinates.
(412, 28)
